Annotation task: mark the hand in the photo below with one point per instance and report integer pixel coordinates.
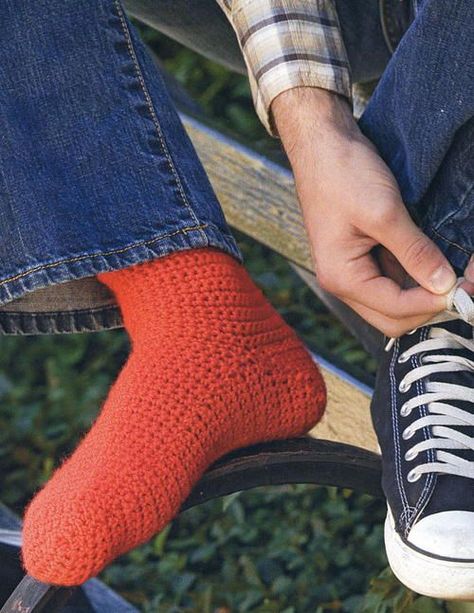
(469, 273)
(352, 205)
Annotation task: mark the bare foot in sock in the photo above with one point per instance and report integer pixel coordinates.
(212, 368)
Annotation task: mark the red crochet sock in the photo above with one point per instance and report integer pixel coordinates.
(212, 368)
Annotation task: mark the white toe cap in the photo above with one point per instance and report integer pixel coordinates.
(449, 534)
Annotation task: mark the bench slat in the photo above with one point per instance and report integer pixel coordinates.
(347, 416)
(257, 196)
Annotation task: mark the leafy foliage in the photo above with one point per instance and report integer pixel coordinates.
(294, 548)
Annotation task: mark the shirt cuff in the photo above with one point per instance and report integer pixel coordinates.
(287, 44)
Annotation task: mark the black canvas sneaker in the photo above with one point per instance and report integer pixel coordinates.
(423, 414)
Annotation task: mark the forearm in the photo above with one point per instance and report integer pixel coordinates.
(309, 116)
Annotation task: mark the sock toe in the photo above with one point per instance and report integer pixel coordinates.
(61, 544)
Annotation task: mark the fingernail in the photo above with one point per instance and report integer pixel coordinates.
(443, 280)
(469, 272)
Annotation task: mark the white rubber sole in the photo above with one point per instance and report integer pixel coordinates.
(427, 575)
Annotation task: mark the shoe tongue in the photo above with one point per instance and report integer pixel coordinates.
(456, 326)
(453, 492)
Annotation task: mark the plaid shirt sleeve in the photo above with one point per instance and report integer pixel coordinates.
(286, 44)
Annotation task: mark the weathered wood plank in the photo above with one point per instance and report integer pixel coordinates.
(257, 196)
(347, 417)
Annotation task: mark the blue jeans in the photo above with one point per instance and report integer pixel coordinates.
(420, 117)
(96, 170)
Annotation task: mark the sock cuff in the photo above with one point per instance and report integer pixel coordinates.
(192, 279)
(178, 265)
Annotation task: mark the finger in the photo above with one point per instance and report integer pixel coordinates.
(385, 296)
(468, 287)
(387, 325)
(469, 272)
(363, 283)
(418, 255)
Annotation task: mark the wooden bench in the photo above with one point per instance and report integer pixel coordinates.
(258, 198)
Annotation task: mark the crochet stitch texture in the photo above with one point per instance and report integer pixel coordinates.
(212, 367)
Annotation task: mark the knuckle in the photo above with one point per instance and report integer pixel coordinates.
(384, 215)
(393, 312)
(326, 281)
(392, 329)
(419, 251)
(401, 308)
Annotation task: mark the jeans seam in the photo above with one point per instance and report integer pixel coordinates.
(78, 258)
(390, 28)
(465, 195)
(452, 243)
(66, 312)
(64, 322)
(151, 110)
(387, 25)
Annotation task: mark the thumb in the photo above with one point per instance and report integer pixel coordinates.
(418, 255)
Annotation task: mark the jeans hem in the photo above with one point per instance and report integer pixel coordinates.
(60, 322)
(101, 317)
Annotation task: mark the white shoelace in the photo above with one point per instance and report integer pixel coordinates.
(442, 415)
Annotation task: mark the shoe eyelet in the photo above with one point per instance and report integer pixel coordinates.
(413, 475)
(405, 410)
(402, 358)
(407, 434)
(404, 387)
(410, 455)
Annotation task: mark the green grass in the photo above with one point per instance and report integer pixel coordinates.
(286, 549)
